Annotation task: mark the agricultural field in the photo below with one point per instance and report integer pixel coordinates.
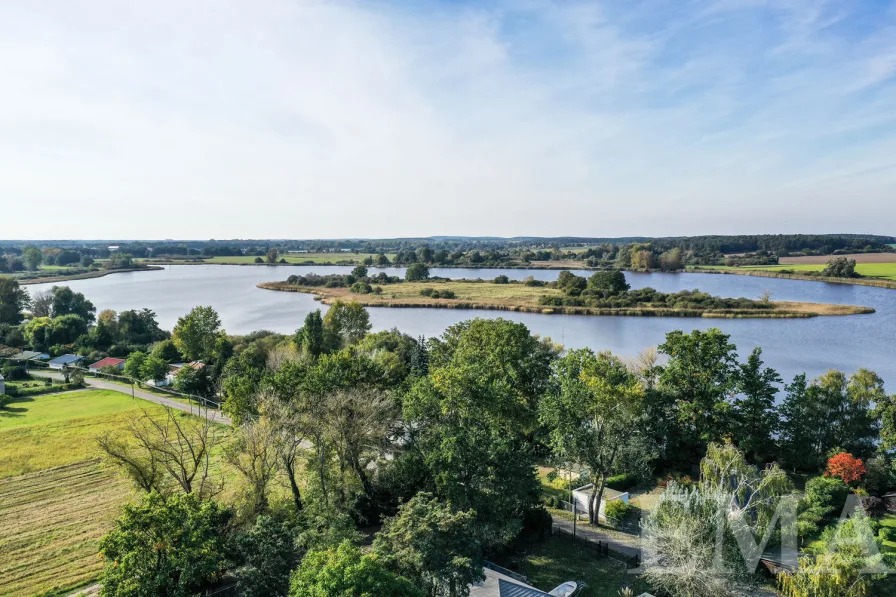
(51, 523)
(56, 498)
(823, 259)
(884, 271)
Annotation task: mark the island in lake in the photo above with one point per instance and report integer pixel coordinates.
(603, 293)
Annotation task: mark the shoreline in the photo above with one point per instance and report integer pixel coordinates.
(787, 310)
(874, 282)
(87, 275)
(534, 265)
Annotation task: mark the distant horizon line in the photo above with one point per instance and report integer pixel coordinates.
(572, 238)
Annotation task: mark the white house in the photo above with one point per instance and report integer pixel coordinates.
(583, 494)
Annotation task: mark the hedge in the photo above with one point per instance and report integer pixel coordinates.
(622, 482)
(15, 392)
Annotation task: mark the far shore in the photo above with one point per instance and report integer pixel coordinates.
(87, 275)
(521, 298)
(876, 282)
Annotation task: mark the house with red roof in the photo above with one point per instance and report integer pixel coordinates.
(107, 362)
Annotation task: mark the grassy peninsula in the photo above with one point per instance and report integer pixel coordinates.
(571, 294)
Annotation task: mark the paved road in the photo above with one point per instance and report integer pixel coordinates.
(100, 384)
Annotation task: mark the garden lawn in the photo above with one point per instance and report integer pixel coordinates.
(560, 559)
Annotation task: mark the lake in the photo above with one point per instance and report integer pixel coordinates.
(789, 345)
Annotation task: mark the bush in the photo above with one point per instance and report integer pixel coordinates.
(15, 372)
(427, 292)
(887, 534)
(622, 482)
(502, 279)
(874, 507)
(259, 260)
(362, 288)
(617, 509)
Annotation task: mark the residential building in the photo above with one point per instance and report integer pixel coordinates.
(107, 362)
(66, 360)
(583, 494)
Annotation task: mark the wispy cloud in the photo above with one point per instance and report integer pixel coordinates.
(338, 118)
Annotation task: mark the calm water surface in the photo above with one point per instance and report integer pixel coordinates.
(790, 345)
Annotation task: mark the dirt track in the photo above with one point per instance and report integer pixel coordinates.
(823, 259)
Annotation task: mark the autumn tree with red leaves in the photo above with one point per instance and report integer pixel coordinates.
(845, 466)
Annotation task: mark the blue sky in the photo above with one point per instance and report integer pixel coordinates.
(291, 118)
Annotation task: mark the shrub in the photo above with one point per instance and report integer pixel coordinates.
(361, 288)
(887, 534)
(14, 372)
(617, 509)
(259, 260)
(502, 279)
(427, 292)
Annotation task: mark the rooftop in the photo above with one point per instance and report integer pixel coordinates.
(66, 359)
(107, 362)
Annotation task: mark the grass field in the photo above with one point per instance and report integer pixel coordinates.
(520, 297)
(58, 429)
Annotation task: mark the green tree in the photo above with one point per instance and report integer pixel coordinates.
(13, 300)
(196, 333)
(68, 302)
(700, 378)
(473, 415)
(32, 257)
(359, 272)
(416, 273)
(272, 256)
(832, 412)
(841, 267)
(755, 416)
(154, 368)
(382, 260)
(612, 281)
(140, 327)
(270, 553)
(344, 572)
(167, 546)
(133, 367)
(194, 381)
(670, 261)
(310, 337)
(592, 415)
(167, 351)
(348, 321)
(433, 546)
